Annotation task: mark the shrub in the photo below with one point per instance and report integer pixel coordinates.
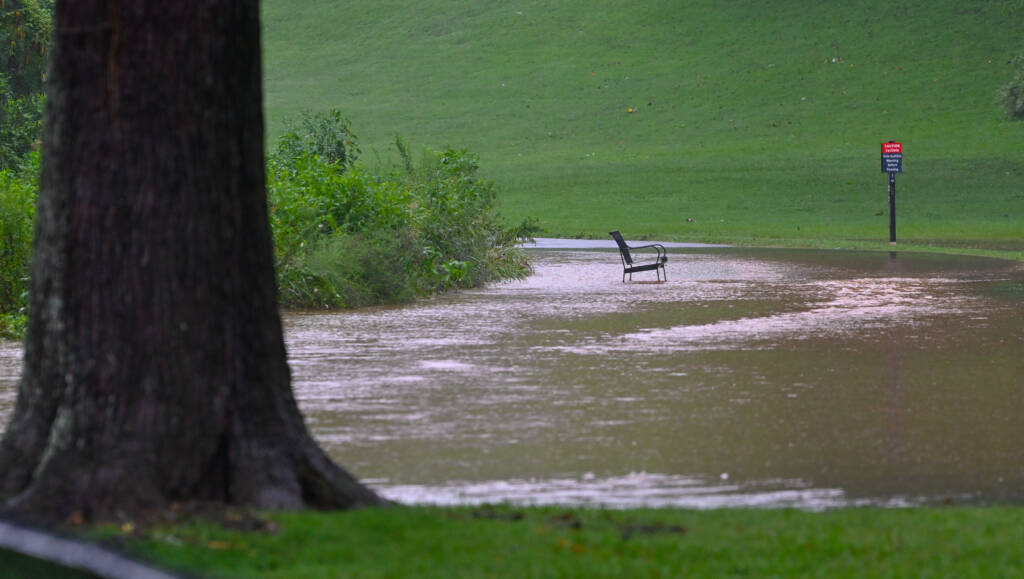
(12, 326)
(24, 42)
(1011, 95)
(343, 237)
(347, 237)
(364, 269)
(458, 223)
(18, 190)
(21, 127)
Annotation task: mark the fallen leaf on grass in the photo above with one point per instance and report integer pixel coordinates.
(564, 543)
(629, 529)
(487, 513)
(567, 519)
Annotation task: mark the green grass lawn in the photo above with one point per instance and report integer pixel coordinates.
(561, 542)
(744, 122)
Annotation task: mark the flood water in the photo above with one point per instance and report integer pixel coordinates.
(752, 378)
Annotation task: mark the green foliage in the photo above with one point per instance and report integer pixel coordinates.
(345, 237)
(456, 220)
(327, 135)
(21, 126)
(12, 326)
(403, 152)
(24, 43)
(18, 189)
(364, 268)
(1011, 94)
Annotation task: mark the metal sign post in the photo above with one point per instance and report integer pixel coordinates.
(892, 208)
(892, 163)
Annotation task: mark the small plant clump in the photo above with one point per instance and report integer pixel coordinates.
(1011, 94)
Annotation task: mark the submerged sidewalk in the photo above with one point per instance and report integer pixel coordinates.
(556, 243)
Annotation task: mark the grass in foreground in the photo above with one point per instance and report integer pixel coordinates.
(564, 542)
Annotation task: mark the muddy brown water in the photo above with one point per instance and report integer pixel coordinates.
(753, 377)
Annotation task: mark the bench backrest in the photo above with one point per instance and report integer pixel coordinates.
(623, 248)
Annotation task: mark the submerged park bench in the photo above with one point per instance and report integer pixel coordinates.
(630, 267)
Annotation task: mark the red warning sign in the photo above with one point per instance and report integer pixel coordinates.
(892, 148)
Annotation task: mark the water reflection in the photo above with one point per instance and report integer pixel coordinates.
(753, 377)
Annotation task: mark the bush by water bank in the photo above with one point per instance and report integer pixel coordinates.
(344, 236)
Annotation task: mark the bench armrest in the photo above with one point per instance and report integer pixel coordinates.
(662, 254)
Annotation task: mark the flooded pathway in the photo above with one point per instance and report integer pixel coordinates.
(753, 377)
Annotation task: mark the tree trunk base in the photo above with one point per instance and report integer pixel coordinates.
(155, 369)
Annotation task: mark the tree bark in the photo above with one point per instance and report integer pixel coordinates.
(155, 367)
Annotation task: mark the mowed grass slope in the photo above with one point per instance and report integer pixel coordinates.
(750, 122)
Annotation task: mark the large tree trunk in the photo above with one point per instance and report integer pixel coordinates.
(155, 368)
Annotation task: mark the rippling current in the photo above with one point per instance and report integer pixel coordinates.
(751, 378)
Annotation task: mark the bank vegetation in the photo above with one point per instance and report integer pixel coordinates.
(345, 235)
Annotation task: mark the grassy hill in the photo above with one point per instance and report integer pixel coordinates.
(750, 122)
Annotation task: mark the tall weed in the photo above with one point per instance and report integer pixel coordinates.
(327, 135)
(18, 190)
